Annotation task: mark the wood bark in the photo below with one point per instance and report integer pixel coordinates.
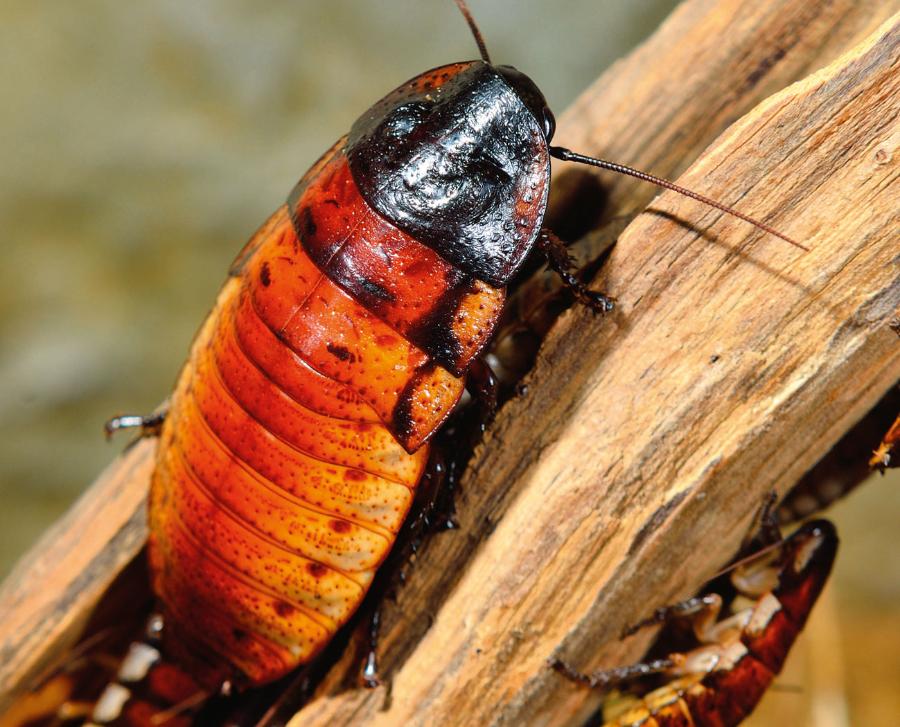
(631, 468)
(52, 592)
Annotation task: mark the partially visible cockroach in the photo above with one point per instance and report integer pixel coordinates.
(720, 682)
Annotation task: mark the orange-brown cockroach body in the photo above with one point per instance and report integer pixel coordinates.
(720, 682)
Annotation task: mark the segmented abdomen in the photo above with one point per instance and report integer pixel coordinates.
(295, 436)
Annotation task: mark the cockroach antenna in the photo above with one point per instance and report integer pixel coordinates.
(568, 155)
(473, 26)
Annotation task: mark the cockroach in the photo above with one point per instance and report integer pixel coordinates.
(721, 681)
(299, 428)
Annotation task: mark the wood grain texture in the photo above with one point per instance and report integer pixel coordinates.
(708, 64)
(48, 598)
(596, 496)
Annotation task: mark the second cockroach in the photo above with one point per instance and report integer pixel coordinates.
(722, 679)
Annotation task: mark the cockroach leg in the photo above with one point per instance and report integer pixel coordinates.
(720, 679)
(434, 508)
(697, 606)
(766, 530)
(752, 575)
(434, 501)
(433, 511)
(607, 678)
(369, 677)
(149, 425)
(562, 264)
(482, 384)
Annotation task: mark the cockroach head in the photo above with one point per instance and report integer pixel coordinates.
(458, 157)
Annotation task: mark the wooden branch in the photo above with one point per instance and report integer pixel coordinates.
(583, 508)
(48, 598)
(708, 65)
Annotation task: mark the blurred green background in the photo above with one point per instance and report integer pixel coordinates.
(142, 143)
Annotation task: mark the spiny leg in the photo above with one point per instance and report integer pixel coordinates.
(701, 611)
(483, 386)
(434, 509)
(561, 263)
(702, 614)
(764, 535)
(690, 608)
(369, 676)
(752, 577)
(437, 493)
(149, 426)
(435, 497)
(607, 678)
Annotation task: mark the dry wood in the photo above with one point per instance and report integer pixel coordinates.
(594, 483)
(48, 598)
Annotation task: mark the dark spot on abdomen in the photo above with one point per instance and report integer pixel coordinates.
(239, 634)
(376, 291)
(340, 526)
(340, 352)
(284, 609)
(265, 275)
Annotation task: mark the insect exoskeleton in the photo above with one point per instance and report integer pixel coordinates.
(739, 653)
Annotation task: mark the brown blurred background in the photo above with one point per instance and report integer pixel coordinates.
(141, 144)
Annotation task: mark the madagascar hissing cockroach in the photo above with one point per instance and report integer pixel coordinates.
(299, 427)
(721, 680)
